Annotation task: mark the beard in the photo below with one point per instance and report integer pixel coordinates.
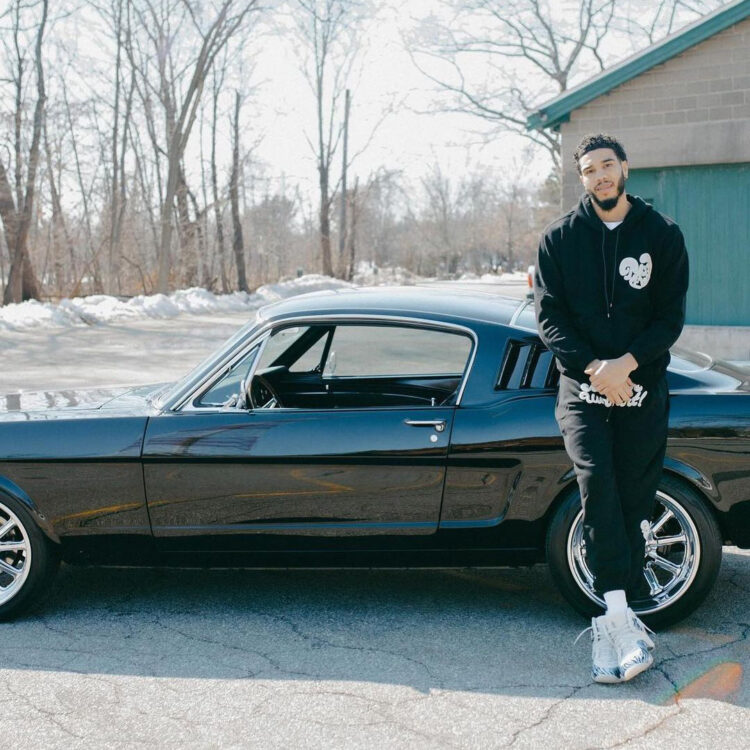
(609, 203)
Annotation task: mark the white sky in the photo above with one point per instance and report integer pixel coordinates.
(411, 138)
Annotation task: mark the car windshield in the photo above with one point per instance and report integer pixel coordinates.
(207, 365)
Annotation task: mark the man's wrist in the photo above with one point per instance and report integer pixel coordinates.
(631, 361)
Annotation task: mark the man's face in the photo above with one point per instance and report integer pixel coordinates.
(603, 176)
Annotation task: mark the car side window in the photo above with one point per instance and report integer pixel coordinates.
(379, 351)
(360, 365)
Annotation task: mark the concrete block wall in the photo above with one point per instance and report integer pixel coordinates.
(692, 109)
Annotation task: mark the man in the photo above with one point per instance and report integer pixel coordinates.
(609, 290)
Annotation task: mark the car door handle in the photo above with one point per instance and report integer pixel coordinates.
(438, 424)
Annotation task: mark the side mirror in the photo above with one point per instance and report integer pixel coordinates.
(230, 403)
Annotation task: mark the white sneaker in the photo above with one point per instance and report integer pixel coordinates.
(643, 628)
(630, 641)
(605, 663)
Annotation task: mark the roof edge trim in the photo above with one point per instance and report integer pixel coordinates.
(558, 109)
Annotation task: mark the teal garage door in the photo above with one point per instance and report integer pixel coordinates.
(712, 206)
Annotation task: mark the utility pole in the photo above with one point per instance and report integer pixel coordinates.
(342, 228)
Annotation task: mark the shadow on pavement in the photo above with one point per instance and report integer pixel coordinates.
(502, 631)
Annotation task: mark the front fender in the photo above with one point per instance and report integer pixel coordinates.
(11, 490)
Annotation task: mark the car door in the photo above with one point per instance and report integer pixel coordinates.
(340, 469)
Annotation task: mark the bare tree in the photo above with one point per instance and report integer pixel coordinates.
(238, 244)
(531, 51)
(440, 225)
(178, 86)
(328, 32)
(646, 21)
(218, 79)
(117, 16)
(17, 212)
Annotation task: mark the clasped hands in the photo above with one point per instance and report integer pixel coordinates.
(611, 377)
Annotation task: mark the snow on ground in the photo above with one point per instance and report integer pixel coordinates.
(105, 309)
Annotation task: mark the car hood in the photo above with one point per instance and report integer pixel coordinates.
(71, 403)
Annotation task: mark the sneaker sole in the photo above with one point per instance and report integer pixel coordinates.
(607, 679)
(635, 669)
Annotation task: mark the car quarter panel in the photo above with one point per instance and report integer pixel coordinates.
(83, 474)
(506, 460)
(709, 445)
(506, 463)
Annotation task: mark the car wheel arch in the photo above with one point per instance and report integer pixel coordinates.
(689, 477)
(570, 487)
(674, 490)
(9, 489)
(677, 470)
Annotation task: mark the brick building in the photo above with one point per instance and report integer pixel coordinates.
(682, 110)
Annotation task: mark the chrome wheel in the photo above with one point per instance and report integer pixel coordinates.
(15, 554)
(671, 562)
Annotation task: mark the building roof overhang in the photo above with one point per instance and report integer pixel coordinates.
(557, 110)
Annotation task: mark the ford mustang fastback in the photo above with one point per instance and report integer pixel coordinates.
(371, 427)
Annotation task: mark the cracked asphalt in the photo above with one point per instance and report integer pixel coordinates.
(121, 658)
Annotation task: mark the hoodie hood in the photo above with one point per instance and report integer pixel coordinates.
(586, 212)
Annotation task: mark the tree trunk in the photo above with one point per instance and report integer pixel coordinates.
(59, 229)
(344, 197)
(238, 245)
(217, 205)
(352, 234)
(22, 282)
(186, 233)
(325, 241)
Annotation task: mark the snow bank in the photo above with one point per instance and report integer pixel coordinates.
(102, 309)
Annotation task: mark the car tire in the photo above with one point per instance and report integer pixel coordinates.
(677, 575)
(28, 560)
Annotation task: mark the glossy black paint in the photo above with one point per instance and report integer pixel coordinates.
(82, 474)
(349, 486)
(322, 473)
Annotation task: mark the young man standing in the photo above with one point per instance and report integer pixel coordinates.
(609, 289)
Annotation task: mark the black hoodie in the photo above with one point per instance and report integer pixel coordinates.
(600, 293)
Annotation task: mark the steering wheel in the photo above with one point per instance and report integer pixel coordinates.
(262, 395)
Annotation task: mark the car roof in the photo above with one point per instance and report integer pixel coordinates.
(433, 303)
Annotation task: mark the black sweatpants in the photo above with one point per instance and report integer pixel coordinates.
(618, 454)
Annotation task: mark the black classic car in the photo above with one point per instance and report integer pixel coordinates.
(371, 427)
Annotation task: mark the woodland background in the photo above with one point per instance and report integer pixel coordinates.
(129, 137)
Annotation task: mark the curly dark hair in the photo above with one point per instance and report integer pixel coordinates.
(598, 140)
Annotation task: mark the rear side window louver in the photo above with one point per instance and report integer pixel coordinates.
(526, 363)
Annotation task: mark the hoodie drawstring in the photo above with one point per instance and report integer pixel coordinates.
(609, 302)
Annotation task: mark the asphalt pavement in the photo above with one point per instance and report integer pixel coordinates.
(123, 658)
